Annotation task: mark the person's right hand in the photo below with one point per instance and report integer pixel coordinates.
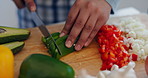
(25, 3)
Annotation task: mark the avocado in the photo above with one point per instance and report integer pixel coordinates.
(9, 34)
(15, 46)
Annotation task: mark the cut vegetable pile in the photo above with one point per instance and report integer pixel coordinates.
(112, 49)
(120, 44)
(136, 36)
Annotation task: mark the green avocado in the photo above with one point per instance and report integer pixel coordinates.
(9, 34)
(15, 46)
(43, 66)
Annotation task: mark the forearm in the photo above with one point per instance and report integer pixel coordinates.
(113, 4)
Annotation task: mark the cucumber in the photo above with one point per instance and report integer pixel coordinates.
(43, 66)
(60, 41)
(15, 46)
(9, 34)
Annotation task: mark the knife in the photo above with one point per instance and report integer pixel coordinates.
(43, 28)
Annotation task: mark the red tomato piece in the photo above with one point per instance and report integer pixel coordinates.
(134, 57)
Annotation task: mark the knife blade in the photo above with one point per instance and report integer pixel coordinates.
(43, 28)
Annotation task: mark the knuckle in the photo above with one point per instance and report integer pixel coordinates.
(95, 30)
(97, 10)
(79, 23)
(77, 3)
(90, 4)
(90, 38)
(82, 41)
(65, 30)
(69, 20)
(71, 37)
(88, 28)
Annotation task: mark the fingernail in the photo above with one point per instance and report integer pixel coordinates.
(86, 44)
(62, 34)
(68, 44)
(78, 47)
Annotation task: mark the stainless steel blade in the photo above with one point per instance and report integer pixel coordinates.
(43, 29)
(36, 19)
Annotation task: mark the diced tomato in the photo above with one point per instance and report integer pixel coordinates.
(121, 38)
(109, 66)
(134, 57)
(111, 47)
(126, 48)
(102, 49)
(111, 54)
(112, 59)
(104, 56)
(104, 67)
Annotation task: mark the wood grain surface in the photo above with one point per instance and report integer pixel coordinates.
(88, 58)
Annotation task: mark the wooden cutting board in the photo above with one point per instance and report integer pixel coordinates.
(88, 58)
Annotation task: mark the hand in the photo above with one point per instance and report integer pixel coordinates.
(85, 19)
(146, 65)
(29, 3)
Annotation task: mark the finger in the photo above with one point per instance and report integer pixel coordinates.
(19, 3)
(89, 26)
(31, 5)
(98, 25)
(77, 27)
(73, 13)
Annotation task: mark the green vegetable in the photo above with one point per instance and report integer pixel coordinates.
(60, 41)
(43, 66)
(15, 46)
(8, 34)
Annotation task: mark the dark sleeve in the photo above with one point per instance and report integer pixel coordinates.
(114, 5)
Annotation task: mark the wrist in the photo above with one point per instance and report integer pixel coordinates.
(107, 5)
(113, 4)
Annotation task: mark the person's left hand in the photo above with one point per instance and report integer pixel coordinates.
(85, 19)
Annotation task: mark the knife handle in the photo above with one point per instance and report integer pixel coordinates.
(23, 3)
(19, 3)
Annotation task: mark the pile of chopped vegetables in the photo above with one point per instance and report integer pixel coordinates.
(136, 36)
(111, 47)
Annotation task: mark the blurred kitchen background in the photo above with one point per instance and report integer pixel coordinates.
(8, 11)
